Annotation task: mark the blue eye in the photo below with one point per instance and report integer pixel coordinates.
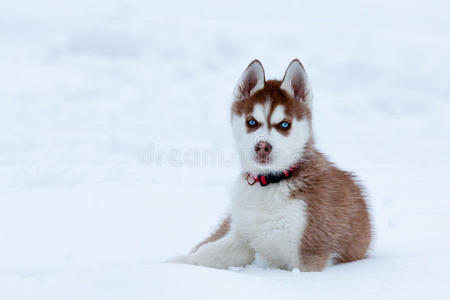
(285, 124)
(252, 122)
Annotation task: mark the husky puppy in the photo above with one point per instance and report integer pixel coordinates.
(290, 204)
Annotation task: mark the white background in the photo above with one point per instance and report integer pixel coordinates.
(116, 152)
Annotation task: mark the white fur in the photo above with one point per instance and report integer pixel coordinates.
(270, 221)
(229, 251)
(259, 113)
(265, 220)
(278, 115)
(285, 150)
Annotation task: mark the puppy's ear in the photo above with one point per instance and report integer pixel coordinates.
(251, 81)
(295, 82)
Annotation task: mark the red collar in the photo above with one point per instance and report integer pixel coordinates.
(272, 177)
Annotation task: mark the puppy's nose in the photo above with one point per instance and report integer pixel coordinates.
(263, 148)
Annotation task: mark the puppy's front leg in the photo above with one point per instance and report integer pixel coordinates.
(229, 251)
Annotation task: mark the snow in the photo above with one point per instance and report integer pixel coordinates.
(116, 150)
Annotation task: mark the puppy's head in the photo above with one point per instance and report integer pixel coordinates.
(271, 120)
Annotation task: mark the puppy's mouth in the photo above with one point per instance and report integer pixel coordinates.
(263, 159)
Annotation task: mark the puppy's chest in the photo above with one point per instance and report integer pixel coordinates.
(271, 221)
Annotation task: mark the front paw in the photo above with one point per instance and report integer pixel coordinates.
(182, 259)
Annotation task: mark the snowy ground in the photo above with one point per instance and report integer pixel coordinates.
(116, 152)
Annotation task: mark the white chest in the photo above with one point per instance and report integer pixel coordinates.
(270, 221)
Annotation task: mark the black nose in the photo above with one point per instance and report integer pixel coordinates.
(263, 148)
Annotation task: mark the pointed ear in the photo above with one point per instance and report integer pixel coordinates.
(295, 82)
(251, 81)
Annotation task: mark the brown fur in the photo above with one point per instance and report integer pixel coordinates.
(217, 234)
(293, 108)
(338, 220)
